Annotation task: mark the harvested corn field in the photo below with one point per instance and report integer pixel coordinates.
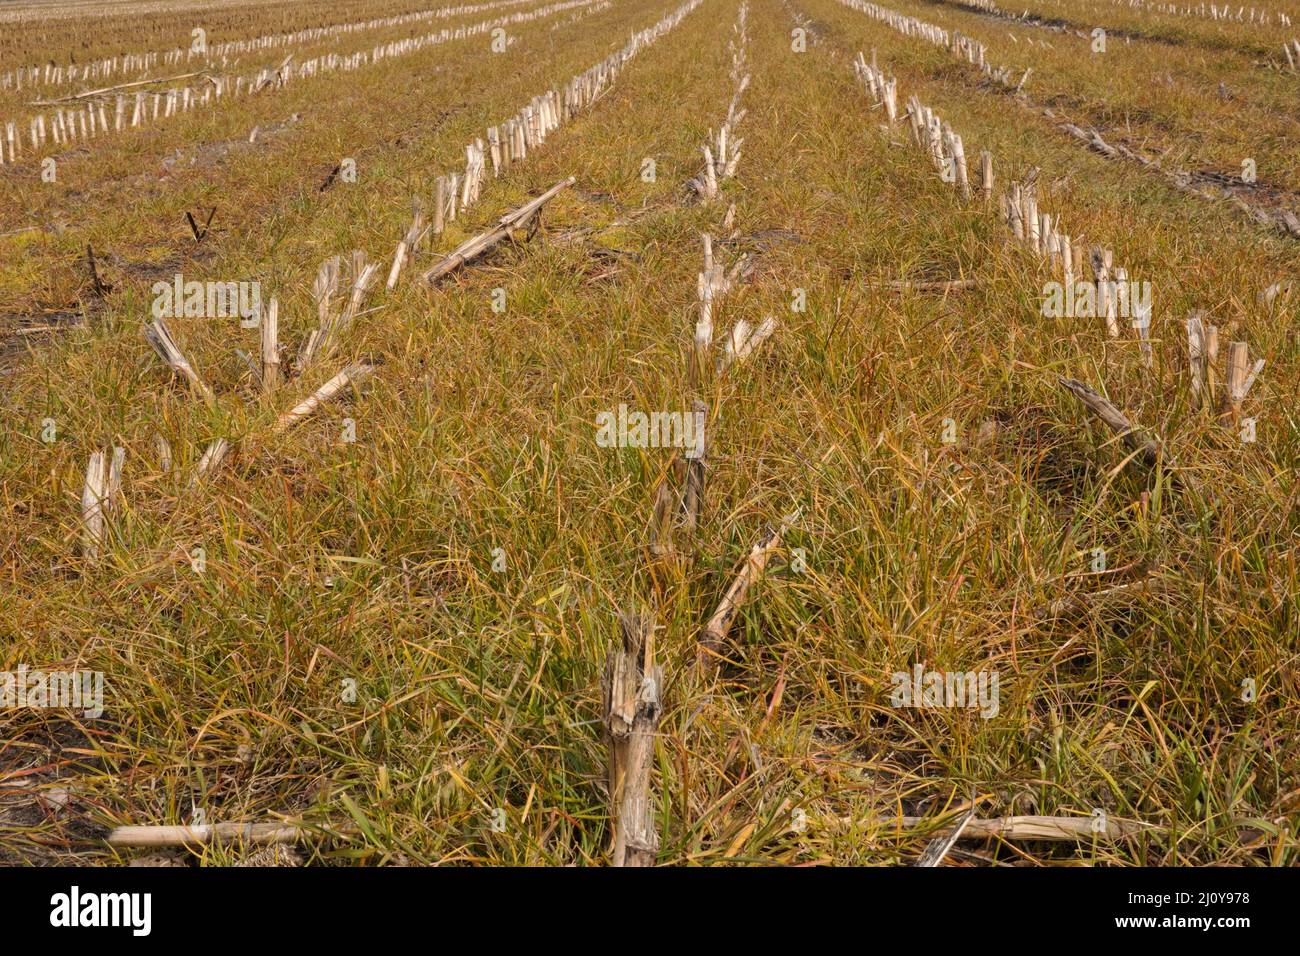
(650, 432)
